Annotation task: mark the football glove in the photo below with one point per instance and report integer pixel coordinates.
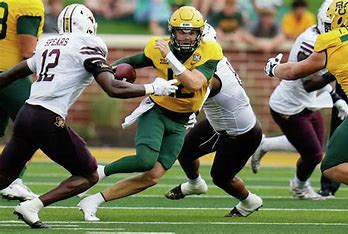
(162, 87)
(192, 121)
(271, 65)
(342, 109)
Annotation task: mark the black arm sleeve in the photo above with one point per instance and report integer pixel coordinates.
(137, 61)
(96, 66)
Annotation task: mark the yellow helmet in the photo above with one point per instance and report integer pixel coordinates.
(186, 18)
(338, 13)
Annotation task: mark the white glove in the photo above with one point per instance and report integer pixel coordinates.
(192, 121)
(162, 87)
(271, 64)
(342, 108)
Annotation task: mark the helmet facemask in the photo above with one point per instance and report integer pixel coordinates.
(185, 45)
(324, 23)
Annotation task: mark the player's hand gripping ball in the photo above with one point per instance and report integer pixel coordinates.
(125, 72)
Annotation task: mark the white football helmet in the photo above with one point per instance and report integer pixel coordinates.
(76, 18)
(209, 33)
(324, 22)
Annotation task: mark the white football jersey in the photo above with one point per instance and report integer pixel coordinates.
(290, 97)
(229, 110)
(58, 63)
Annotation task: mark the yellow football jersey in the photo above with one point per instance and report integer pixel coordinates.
(184, 101)
(335, 43)
(10, 12)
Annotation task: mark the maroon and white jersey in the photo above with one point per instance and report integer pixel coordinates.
(229, 110)
(58, 63)
(290, 97)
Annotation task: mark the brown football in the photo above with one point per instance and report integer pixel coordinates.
(125, 71)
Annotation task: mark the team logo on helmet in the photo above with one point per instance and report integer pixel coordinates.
(338, 13)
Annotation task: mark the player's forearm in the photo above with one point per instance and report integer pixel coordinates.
(19, 71)
(315, 82)
(124, 90)
(289, 71)
(192, 80)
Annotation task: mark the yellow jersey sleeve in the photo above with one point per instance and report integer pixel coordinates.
(330, 39)
(335, 43)
(33, 8)
(10, 12)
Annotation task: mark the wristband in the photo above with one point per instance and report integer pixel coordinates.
(177, 67)
(273, 70)
(149, 89)
(335, 97)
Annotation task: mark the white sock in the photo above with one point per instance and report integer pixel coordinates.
(246, 201)
(101, 173)
(36, 203)
(196, 181)
(278, 143)
(298, 183)
(97, 198)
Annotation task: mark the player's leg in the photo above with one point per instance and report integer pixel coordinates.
(305, 132)
(269, 144)
(12, 99)
(150, 131)
(16, 153)
(335, 164)
(171, 145)
(328, 187)
(199, 141)
(49, 132)
(231, 156)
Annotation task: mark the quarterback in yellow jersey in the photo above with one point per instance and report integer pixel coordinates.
(21, 23)
(161, 126)
(330, 49)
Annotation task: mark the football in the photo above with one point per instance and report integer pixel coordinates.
(125, 71)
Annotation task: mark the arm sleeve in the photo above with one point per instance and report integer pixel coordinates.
(208, 68)
(137, 61)
(29, 25)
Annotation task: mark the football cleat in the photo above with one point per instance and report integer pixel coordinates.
(185, 189)
(29, 215)
(18, 191)
(244, 210)
(175, 193)
(257, 156)
(326, 194)
(305, 193)
(89, 209)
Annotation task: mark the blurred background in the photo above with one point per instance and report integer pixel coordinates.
(250, 32)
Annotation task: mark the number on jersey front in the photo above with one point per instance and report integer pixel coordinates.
(3, 19)
(45, 66)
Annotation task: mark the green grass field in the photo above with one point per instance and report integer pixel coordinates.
(150, 212)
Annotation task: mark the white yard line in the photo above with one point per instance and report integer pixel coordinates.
(55, 224)
(188, 208)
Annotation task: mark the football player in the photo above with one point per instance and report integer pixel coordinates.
(330, 50)
(295, 108)
(161, 128)
(231, 130)
(64, 65)
(21, 25)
